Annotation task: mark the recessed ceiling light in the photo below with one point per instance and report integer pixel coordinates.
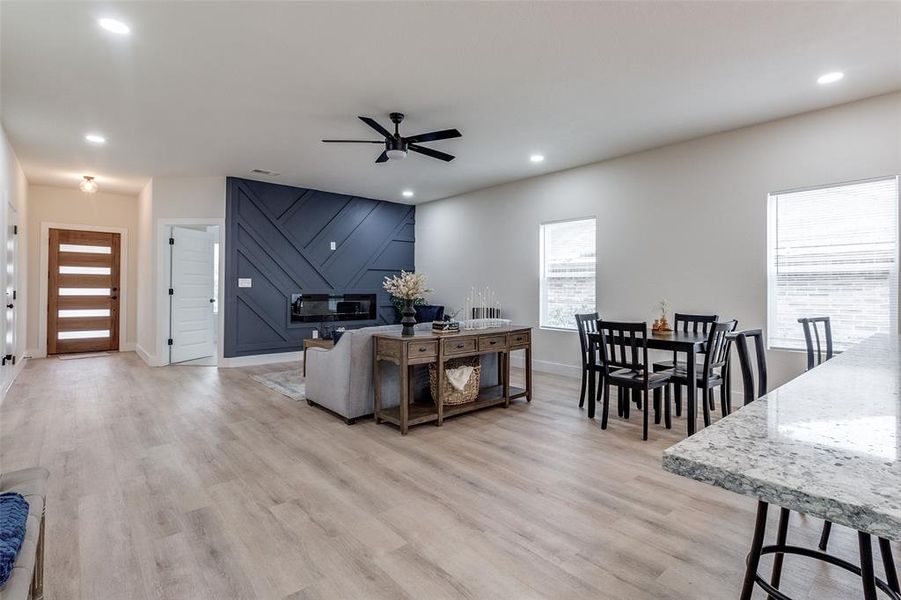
(407, 193)
(114, 26)
(95, 138)
(830, 77)
(537, 158)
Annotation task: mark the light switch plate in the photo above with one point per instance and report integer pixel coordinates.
(245, 282)
(333, 245)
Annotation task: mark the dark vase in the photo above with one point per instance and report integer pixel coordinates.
(409, 318)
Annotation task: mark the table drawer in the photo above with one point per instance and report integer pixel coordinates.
(494, 342)
(460, 345)
(518, 340)
(421, 350)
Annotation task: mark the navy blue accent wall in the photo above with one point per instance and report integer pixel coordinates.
(280, 236)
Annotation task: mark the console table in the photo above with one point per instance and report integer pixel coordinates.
(426, 347)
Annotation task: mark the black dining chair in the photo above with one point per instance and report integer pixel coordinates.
(713, 373)
(624, 355)
(587, 323)
(815, 350)
(740, 338)
(685, 323)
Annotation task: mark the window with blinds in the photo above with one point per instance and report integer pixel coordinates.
(567, 272)
(833, 251)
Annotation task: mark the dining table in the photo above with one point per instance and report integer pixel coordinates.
(688, 342)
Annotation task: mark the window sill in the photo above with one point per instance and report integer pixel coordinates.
(564, 329)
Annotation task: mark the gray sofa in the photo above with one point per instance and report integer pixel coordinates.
(340, 378)
(27, 579)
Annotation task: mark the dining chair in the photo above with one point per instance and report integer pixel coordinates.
(624, 355)
(744, 359)
(686, 323)
(587, 323)
(814, 342)
(713, 373)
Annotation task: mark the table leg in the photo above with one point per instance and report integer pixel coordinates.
(529, 373)
(376, 383)
(440, 385)
(592, 383)
(402, 391)
(503, 361)
(756, 545)
(692, 396)
(304, 362)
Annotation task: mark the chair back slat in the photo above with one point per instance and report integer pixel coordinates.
(718, 346)
(744, 358)
(816, 354)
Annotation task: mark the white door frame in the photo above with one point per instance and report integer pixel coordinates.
(45, 276)
(162, 280)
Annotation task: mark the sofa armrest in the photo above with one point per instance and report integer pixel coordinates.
(328, 376)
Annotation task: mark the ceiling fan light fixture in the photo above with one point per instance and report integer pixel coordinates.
(396, 154)
(88, 185)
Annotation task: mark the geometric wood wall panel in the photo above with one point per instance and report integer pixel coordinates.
(280, 237)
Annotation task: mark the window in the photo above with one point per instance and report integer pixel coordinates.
(832, 251)
(567, 272)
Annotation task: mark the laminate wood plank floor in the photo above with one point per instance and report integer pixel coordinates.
(200, 483)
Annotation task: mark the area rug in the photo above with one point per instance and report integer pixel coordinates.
(289, 383)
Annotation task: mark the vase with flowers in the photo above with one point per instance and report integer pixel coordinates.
(662, 324)
(408, 287)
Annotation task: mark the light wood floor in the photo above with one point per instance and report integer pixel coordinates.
(195, 483)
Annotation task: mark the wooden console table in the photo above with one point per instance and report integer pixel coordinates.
(426, 347)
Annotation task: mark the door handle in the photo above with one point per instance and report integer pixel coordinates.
(113, 297)
(10, 306)
(212, 300)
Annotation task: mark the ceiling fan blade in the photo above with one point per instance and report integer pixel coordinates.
(354, 141)
(444, 134)
(430, 152)
(383, 157)
(374, 124)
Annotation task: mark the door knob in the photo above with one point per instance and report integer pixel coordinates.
(10, 306)
(212, 300)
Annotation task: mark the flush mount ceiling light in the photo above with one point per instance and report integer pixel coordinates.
(407, 193)
(830, 77)
(396, 154)
(88, 185)
(95, 138)
(114, 26)
(537, 158)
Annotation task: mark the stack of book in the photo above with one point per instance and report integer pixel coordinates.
(445, 327)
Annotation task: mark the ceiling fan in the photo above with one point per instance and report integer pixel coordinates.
(396, 146)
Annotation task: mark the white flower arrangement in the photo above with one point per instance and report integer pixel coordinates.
(407, 286)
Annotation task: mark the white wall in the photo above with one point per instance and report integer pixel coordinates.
(686, 222)
(71, 206)
(164, 200)
(14, 191)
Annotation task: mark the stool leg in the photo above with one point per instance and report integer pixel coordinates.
(781, 535)
(867, 573)
(657, 398)
(888, 561)
(753, 561)
(824, 537)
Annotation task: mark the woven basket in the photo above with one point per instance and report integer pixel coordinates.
(449, 393)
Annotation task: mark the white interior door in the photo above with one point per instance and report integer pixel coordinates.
(192, 327)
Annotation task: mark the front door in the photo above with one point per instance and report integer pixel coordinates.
(83, 291)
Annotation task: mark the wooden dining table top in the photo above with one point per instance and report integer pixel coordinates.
(668, 340)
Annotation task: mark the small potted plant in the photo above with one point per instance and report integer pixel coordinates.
(408, 287)
(661, 324)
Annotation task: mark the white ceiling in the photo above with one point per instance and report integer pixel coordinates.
(220, 88)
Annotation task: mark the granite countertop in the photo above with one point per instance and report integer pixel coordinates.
(827, 444)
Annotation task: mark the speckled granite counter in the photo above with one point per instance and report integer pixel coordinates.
(827, 444)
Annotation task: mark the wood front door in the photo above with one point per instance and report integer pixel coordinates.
(83, 291)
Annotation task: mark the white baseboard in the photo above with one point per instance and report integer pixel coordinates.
(35, 353)
(17, 368)
(148, 358)
(546, 366)
(260, 359)
(127, 347)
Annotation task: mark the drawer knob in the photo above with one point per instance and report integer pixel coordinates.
(492, 342)
(422, 348)
(459, 345)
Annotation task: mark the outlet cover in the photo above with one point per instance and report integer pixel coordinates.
(333, 246)
(245, 282)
